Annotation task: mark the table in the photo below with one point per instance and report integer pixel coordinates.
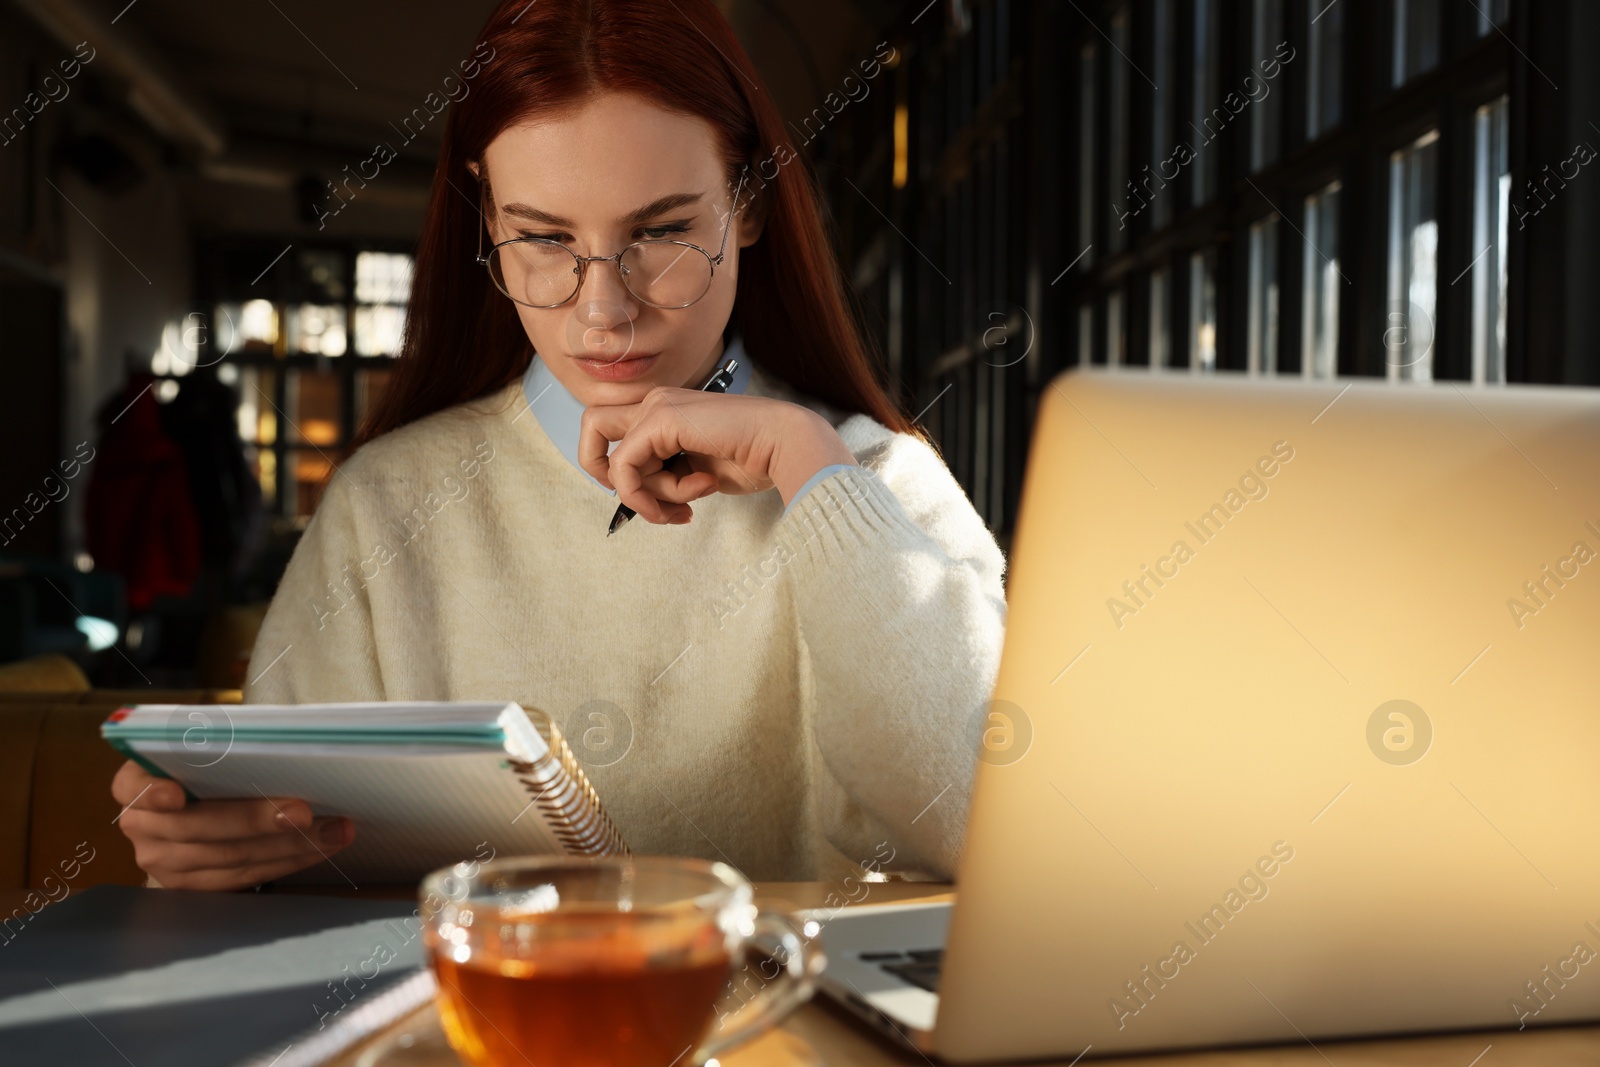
(822, 1034)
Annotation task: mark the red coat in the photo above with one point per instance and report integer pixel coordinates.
(141, 521)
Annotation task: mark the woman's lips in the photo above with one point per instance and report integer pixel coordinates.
(620, 357)
(618, 368)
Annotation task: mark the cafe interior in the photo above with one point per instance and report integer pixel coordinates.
(206, 264)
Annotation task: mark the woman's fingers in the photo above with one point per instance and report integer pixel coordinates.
(133, 785)
(669, 487)
(228, 878)
(635, 460)
(673, 493)
(159, 808)
(169, 857)
(634, 489)
(219, 844)
(599, 426)
(220, 820)
(733, 435)
(645, 439)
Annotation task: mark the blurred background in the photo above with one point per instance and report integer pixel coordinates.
(201, 295)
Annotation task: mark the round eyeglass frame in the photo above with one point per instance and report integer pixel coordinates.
(581, 263)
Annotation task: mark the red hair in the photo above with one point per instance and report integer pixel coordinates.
(462, 336)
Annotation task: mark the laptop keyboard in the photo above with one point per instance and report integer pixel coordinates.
(919, 966)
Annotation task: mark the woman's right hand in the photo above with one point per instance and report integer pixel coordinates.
(220, 844)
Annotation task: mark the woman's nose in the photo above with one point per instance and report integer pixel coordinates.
(603, 288)
(602, 320)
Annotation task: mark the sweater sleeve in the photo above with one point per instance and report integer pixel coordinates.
(811, 483)
(901, 607)
(316, 643)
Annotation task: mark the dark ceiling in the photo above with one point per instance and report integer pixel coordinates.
(284, 81)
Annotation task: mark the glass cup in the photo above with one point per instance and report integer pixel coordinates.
(612, 962)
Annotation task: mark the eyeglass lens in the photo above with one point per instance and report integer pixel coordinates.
(544, 273)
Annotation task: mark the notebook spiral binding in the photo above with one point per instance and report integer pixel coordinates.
(569, 804)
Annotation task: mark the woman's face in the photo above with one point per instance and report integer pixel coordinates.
(617, 170)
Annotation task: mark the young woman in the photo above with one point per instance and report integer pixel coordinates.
(784, 660)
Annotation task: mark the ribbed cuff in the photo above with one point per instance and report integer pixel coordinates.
(812, 481)
(846, 511)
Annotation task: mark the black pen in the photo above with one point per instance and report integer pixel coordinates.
(718, 384)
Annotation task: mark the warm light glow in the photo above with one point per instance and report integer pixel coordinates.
(379, 329)
(902, 122)
(320, 431)
(175, 357)
(383, 278)
(311, 468)
(258, 321)
(249, 411)
(317, 329)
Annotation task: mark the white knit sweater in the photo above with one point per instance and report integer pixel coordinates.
(797, 694)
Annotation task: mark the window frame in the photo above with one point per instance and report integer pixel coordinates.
(227, 268)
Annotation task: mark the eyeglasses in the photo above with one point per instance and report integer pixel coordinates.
(540, 273)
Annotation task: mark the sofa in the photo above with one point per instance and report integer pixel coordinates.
(57, 816)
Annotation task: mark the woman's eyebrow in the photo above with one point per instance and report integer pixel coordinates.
(659, 206)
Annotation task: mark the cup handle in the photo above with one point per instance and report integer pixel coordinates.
(802, 960)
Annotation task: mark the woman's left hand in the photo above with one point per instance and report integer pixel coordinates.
(736, 444)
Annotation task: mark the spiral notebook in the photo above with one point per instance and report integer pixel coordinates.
(428, 784)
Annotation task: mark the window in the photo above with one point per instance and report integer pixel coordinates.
(317, 329)
(1353, 219)
(1202, 314)
(308, 337)
(254, 424)
(383, 285)
(1491, 196)
(1416, 38)
(1325, 83)
(1024, 114)
(250, 326)
(1161, 146)
(313, 408)
(1116, 345)
(1266, 110)
(1413, 260)
(1118, 181)
(1319, 314)
(1203, 93)
(1159, 330)
(1262, 339)
(1491, 13)
(1086, 158)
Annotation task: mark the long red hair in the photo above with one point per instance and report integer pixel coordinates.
(462, 336)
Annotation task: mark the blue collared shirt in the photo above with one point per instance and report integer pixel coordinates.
(559, 413)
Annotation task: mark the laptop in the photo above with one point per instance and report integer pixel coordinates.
(1296, 732)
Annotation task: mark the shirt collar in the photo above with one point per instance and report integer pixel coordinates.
(559, 413)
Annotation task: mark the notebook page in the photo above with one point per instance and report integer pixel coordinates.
(356, 715)
(413, 813)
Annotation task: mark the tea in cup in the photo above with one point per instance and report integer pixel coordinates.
(611, 962)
